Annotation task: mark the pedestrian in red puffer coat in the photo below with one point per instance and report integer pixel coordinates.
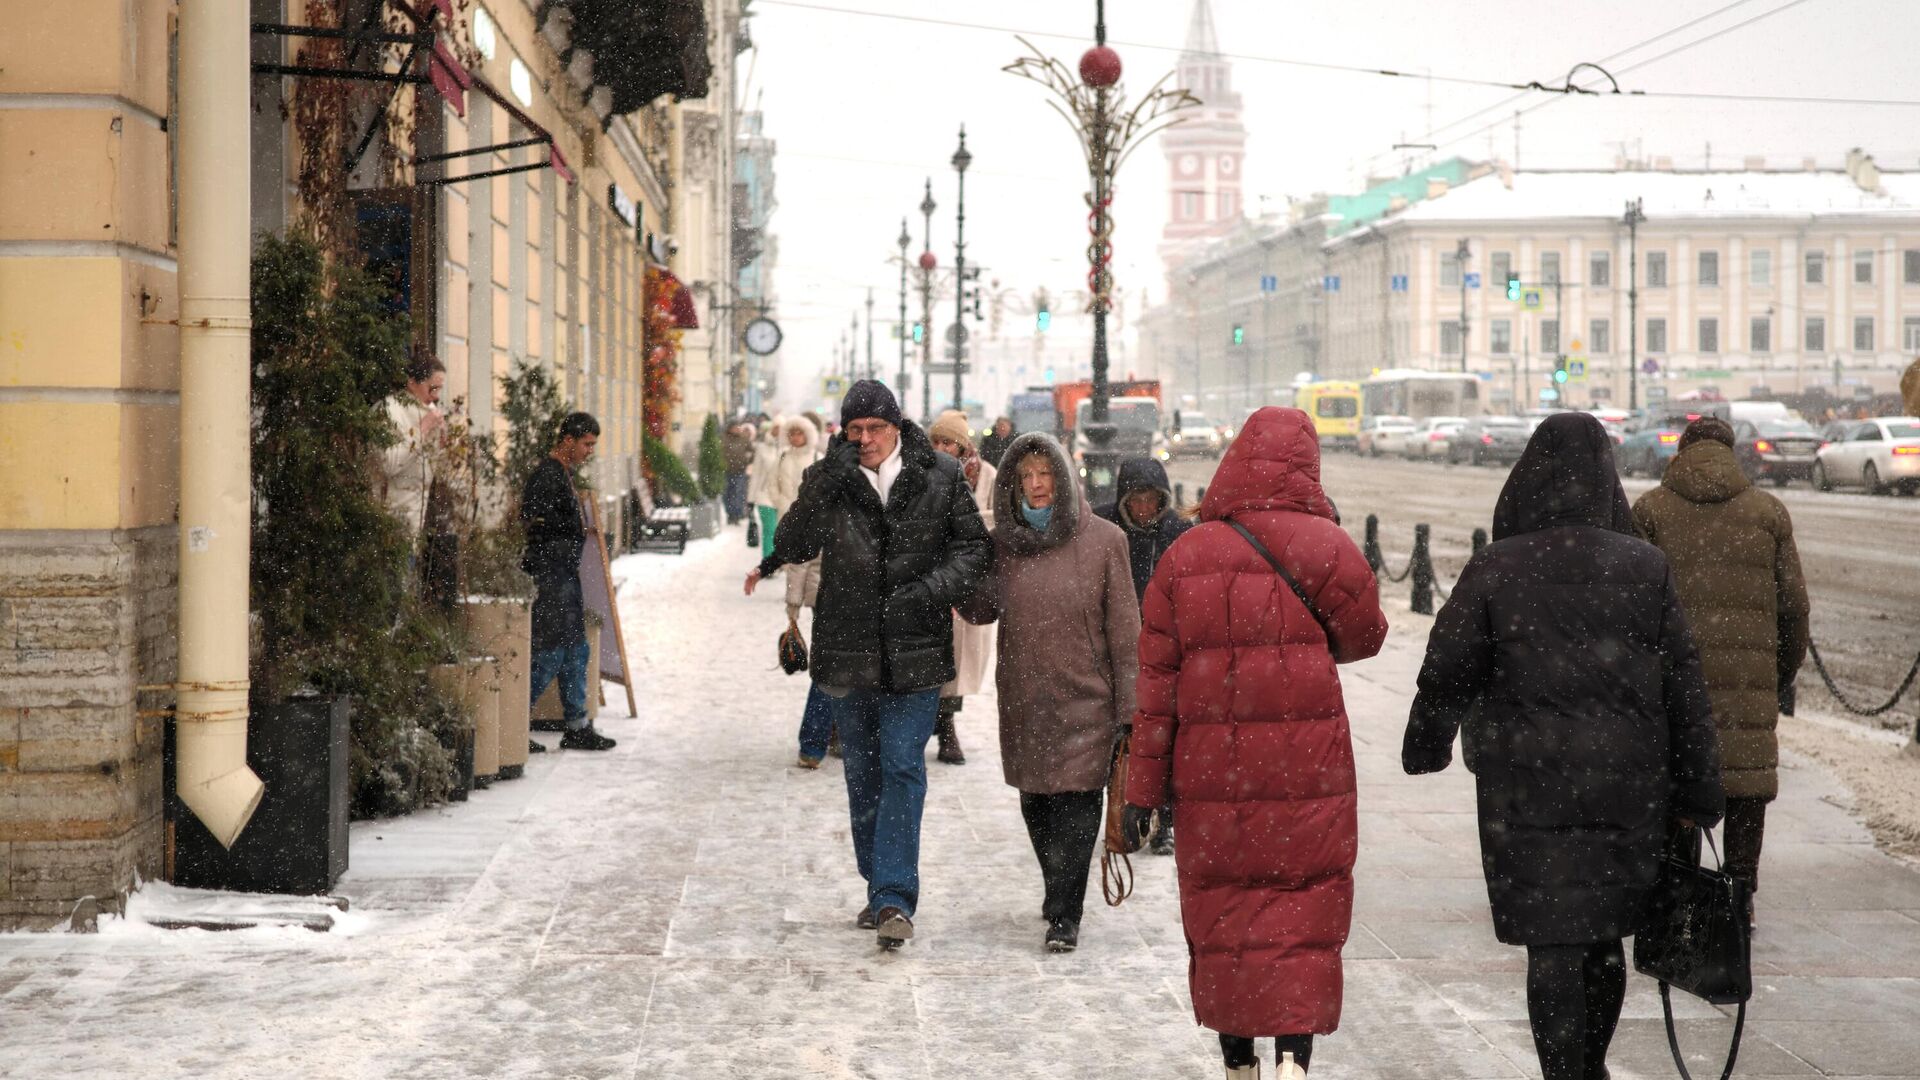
(1240, 720)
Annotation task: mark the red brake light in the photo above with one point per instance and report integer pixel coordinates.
(1486, 440)
(1668, 438)
(1763, 446)
(1435, 436)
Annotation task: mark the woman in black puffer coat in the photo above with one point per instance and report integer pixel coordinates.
(1590, 735)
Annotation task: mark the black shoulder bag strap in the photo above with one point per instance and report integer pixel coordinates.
(1305, 600)
(1739, 1016)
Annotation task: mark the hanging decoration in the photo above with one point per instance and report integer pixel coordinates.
(660, 374)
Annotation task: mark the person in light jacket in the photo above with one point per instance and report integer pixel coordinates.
(1069, 639)
(404, 473)
(766, 454)
(801, 449)
(972, 645)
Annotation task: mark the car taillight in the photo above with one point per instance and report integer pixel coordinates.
(1763, 446)
(1906, 451)
(1435, 436)
(1486, 440)
(1668, 438)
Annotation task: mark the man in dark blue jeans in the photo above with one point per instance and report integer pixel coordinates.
(901, 543)
(550, 512)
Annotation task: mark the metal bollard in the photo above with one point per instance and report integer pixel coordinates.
(1422, 572)
(1375, 561)
(1479, 540)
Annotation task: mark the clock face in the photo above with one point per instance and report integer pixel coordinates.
(1189, 164)
(763, 336)
(1226, 166)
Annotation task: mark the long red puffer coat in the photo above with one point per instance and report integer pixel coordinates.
(1240, 719)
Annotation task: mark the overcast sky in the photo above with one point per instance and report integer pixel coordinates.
(865, 107)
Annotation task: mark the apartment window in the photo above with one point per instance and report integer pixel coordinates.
(1863, 267)
(1709, 269)
(1599, 337)
(1816, 268)
(1450, 337)
(1863, 333)
(1502, 265)
(1816, 334)
(1910, 335)
(1550, 267)
(1760, 334)
(1501, 342)
(1600, 269)
(1226, 204)
(1449, 272)
(1911, 260)
(1709, 335)
(1760, 268)
(1189, 205)
(1656, 335)
(1549, 337)
(1656, 269)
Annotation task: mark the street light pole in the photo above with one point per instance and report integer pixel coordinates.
(961, 159)
(906, 241)
(870, 367)
(1460, 256)
(927, 263)
(1633, 219)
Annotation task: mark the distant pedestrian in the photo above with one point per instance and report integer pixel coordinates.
(973, 646)
(737, 445)
(801, 450)
(405, 467)
(1069, 654)
(772, 438)
(902, 544)
(556, 535)
(1241, 725)
(993, 446)
(1144, 510)
(1565, 654)
(1734, 561)
(1910, 389)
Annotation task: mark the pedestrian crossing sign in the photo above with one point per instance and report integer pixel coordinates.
(833, 386)
(1576, 370)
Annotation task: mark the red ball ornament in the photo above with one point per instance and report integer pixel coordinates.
(1100, 67)
(927, 261)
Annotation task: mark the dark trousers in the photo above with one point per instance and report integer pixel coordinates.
(1064, 828)
(1240, 1052)
(1574, 994)
(1746, 821)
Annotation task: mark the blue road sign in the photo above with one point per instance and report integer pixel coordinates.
(1397, 282)
(1473, 280)
(1330, 283)
(1269, 283)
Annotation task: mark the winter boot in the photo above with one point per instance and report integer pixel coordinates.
(892, 928)
(585, 739)
(1287, 1070)
(1063, 935)
(950, 752)
(1245, 1072)
(1161, 843)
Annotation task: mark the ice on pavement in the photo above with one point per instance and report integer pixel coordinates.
(682, 908)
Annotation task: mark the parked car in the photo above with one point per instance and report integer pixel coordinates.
(1654, 437)
(1193, 435)
(1431, 439)
(1489, 439)
(1878, 454)
(1384, 434)
(1779, 449)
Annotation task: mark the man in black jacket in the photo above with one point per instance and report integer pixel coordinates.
(550, 512)
(903, 544)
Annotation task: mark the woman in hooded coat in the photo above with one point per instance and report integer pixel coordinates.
(1591, 734)
(800, 448)
(1069, 638)
(973, 646)
(1242, 724)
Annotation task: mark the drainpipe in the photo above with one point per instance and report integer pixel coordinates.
(210, 771)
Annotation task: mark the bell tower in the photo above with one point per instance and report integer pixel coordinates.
(1205, 151)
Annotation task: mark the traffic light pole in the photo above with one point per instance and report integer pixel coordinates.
(1460, 256)
(1633, 219)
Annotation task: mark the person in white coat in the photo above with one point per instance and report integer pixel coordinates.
(405, 472)
(800, 448)
(973, 646)
(766, 455)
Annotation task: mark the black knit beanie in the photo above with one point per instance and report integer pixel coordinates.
(868, 399)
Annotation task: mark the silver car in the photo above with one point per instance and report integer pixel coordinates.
(1384, 434)
(1879, 455)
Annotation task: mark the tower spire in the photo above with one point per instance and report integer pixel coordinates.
(1201, 39)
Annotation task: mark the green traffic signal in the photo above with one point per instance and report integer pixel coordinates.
(919, 333)
(1560, 375)
(1513, 286)
(1239, 334)
(1044, 319)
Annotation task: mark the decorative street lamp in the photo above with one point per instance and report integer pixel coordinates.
(1091, 105)
(906, 241)
(927, 263)
(961, 159)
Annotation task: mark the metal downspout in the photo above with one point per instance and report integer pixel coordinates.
(211, 773)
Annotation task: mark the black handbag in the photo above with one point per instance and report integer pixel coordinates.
(793, 649)
(1696, 939)
(753, 532)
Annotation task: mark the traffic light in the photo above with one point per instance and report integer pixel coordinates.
(1513, 286)
(1239, 334)
(1560, 370)
(919, 332)
(1043, 319)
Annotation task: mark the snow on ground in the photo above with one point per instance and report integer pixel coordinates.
(682, 906)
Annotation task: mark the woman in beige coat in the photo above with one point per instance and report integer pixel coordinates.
(1069, 638)
(972, 645)
(800, 447)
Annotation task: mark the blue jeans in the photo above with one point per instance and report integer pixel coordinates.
(816, 724)
(884, 737)
(569, 664)
(734, 497)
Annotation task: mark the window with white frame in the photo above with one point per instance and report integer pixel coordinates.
(1760, 334)
(1550, 267)
(1709, 335)
(1816, 268)
(1863, 267)
(1599, 337)
(1760, 268)
(1549, 337)
(1816, 333)
(1600, 269)
(1500, 339)
(1502, 267)
(1863, 333)
(1910, 260)
(1449, 271)
(1450, 337)
(1656, 335)
(1709, 276)
(1910, 334)
(1656, 269)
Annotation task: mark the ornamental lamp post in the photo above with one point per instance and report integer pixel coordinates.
(961, 159)
(1092, 105)
(927, 263)
(905, 241)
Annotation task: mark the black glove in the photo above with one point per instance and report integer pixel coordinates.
(1136, 822)
(1418, 762)
(843, 454)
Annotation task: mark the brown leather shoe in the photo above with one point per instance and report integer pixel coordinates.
(892, 928)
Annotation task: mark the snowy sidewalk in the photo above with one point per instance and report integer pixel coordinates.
(682, 908)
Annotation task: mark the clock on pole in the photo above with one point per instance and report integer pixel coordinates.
(762, 336)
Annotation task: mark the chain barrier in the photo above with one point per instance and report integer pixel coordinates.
(1906, 684)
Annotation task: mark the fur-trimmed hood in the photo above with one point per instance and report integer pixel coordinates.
(1070, 509)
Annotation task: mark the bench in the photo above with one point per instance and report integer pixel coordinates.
(658, 528)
